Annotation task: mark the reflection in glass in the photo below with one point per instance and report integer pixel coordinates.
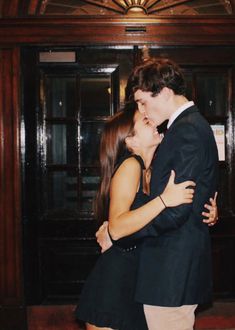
(95, 95)
(90, 183)
(211, 93)
(62, 193)
(223, 200)
(189, 85)
(61, 96)
(123, 55)
(90, 135)
(65, 197)
(62, 144)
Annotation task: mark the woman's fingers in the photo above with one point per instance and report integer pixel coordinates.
(186, 184)
(188, 197)
(209, 222)
(208, 207)
(172, 177)
(213, 202)
(210, 217)
(189, 191)
(207, 214)
(215, 196)
(188, 201)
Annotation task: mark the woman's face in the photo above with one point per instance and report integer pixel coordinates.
(145, 132)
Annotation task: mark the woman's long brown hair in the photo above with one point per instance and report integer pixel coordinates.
(112, 149)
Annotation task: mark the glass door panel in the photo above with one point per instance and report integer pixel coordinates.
(60, 96)
(61, 194)
(62, 143)
(212, 92)
(75, 106)
(90, 139)
(95, 95)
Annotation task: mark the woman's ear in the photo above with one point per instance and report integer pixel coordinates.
(131, 142)
(128, 141)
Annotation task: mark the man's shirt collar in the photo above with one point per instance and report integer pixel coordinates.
(178, 112)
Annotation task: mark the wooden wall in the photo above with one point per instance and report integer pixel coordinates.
(11, 279)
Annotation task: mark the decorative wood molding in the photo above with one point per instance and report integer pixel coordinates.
(124, 7)
(10, 213)
(233, 4)
(10, 8)
(162, 31)
(32, 7)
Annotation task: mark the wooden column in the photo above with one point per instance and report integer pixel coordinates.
(12, 312)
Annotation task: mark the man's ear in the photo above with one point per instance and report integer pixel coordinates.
(167, 93)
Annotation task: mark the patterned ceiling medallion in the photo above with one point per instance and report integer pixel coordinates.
(132, 7)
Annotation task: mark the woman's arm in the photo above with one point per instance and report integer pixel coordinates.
(124, 185)
(211, 217)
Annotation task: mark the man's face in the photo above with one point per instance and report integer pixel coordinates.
(154, 107)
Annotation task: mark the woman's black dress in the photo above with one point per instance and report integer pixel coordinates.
(107, 299)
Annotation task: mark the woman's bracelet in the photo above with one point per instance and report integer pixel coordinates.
(110, 237)
(162, 201)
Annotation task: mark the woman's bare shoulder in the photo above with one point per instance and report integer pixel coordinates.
(125, 181)
(128, 165)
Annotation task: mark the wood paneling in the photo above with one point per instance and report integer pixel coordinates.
(162, 31)
(11, 294)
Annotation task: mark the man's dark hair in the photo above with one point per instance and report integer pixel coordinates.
(155, 74)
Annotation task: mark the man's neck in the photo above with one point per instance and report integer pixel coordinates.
(181, 107)
(178, 101)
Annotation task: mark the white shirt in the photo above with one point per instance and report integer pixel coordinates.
(178, 112)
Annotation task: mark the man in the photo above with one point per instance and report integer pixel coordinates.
(175, 260)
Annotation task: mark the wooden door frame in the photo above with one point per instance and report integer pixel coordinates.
(164, 31)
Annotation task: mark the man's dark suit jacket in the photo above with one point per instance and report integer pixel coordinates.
(175, 259)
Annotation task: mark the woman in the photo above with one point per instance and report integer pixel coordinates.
(127, 147)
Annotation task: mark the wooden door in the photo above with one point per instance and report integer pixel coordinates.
(65, 107)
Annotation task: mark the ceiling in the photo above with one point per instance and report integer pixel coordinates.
(130, 7)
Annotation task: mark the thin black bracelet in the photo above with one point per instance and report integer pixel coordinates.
(111, 239)
(162, 201)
